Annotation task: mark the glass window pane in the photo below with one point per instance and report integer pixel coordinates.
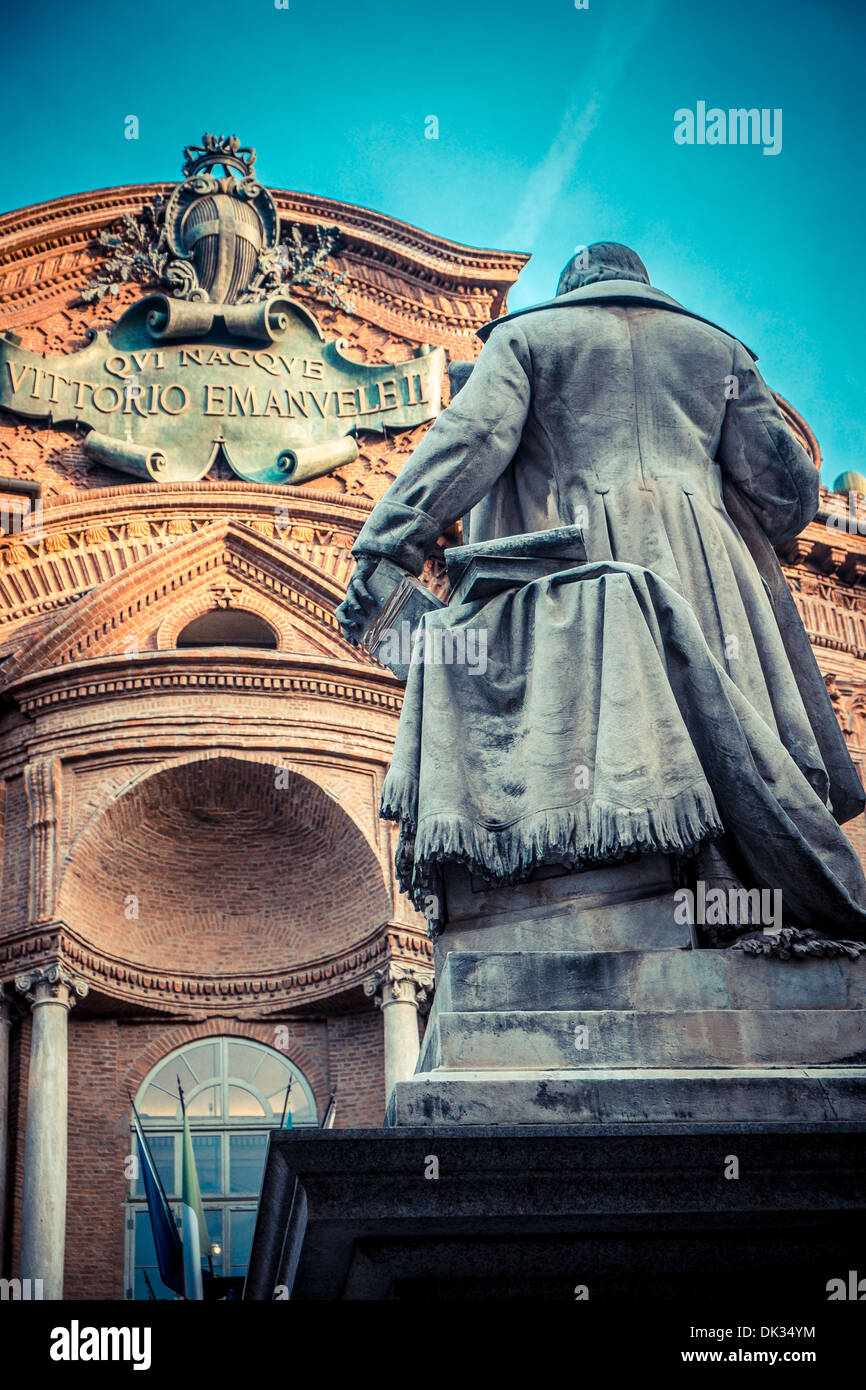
(244, 1060)
(145, 1259)
(202, 1059)
(244, 1103)
(206, 1150)
(241, 1225)
(213, 1217)
(302, 1111)
(246, 1161)
(158, 1104)
(162, 1149)
(206, 1105)
(145, 1250)
(225, 1081)
(274, 1074)
(175, 1067)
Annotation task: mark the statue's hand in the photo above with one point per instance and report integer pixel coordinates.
(359, 605)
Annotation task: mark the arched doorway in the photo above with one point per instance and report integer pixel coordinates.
(235, 1092)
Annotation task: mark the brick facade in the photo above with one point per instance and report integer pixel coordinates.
(194, 831)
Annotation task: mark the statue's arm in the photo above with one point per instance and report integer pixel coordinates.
(460, 457)
(760, 456)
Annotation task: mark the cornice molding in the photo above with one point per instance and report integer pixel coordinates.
(209, 496)
(132, 602)
(397, 275)
(272, 991)
(800, 428)
(90, 540)
(265, 673)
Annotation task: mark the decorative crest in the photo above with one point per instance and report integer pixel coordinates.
(217, 239)
(219, 362)
(216, 149)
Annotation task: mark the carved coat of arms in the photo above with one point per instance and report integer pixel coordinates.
(220, 358)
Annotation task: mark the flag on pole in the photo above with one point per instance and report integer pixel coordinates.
(166, 1240)
(196, 1241)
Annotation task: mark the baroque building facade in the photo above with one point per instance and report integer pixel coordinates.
(195, 882)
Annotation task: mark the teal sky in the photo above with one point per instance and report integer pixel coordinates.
(555, 129)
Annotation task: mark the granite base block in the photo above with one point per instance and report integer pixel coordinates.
(628, 1214)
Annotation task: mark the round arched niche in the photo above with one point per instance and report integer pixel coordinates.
(222, 866)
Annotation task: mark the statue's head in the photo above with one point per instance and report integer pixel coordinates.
(604, 260)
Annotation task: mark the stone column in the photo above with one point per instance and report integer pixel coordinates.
(400, 991)
(51, 993)
(5, 1024)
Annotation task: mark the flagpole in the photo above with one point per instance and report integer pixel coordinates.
(152, 1160)
(286, 1103)
(162, 1221)
(330, 1109)
(183, 1117)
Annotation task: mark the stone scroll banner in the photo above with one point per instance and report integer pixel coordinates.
(174, 382)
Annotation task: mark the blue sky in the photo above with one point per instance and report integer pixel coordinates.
(555, 129)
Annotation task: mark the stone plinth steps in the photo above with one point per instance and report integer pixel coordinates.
(584, 1035)
(607, 1037)
(583, 1081)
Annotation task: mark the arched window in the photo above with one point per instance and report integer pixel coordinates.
(235, 1091)
(228, 627)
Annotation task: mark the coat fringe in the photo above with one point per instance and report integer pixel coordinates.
(579, 836)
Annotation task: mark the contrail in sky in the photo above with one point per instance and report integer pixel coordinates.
(615, 46)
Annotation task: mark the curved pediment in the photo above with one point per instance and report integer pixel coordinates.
(225, 564)
(397, 276)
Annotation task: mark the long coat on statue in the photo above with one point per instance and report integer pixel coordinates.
(665, 692)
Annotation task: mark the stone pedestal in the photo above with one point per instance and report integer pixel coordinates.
(625, 1213)
(578, 1000)
(596, 1105)
(611, 1037)
(51, 993)
(623, 907)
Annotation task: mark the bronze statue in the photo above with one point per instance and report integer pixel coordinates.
(657, 693)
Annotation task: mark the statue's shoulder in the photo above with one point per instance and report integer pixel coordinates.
(606, 292)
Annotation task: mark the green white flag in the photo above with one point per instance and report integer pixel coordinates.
(196, 1241)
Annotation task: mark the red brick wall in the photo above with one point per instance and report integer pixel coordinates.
(19, 1061)
(16, 857)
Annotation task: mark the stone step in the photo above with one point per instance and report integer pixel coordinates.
(592, 1096)
(571, 1039)
(645, 980)
(623, 907)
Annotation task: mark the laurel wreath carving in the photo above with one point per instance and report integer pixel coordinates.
(138, 251)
